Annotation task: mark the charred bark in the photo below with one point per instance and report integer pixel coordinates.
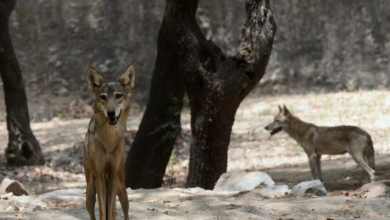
(217, 84)
(160, 125)
(23, 148)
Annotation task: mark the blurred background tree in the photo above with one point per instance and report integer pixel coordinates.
(320, 45)
(23, 148)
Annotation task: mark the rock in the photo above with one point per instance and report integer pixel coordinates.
(309, 187)
(242, 181)
(275, 191)
(73, 191)
(372, 190)
(39, 208)
(6, 196)
(13, 206)
(30, 203)
(61, 160)
(13, 186)
(35, 202)
(196, 189)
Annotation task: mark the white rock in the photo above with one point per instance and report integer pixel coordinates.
(30, 203)
(6, 196)
(73, 191)
(196, 189)
(309, 187)
(372, 190)
(243, 181)
(275, 191)
(13, 205)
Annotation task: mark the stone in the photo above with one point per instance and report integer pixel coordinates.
(275, 191)
(8, 185)
(196, 189)
(13, 205)
(31, 203)
(372, 190)
(39, 208)
(72, 191)
(243, 181)
(309, 187)
(6, 196)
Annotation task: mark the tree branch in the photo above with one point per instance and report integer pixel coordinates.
(255, 43)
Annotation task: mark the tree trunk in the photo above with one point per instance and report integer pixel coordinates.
(379, 33)
(160, 125)
(23, 148)
(215, 84)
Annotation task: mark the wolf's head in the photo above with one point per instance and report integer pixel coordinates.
(281, 120)
(111, 99)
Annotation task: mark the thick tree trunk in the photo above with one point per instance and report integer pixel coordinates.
(215, 84)
(153, 144)
(23, 148)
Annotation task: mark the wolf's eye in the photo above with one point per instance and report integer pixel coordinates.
(118, 96)
(103, 97)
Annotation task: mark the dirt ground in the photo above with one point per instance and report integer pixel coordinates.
(195, 204)
(251, 149)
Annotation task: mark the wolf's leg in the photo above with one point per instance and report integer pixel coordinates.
(91, 194)
(122, 193)
(370, 155)
(102, 196)
(113, 208)
(359, 159)
(112, 185)
(318, 166)
(312, 162)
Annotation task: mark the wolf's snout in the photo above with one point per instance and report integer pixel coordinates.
(111, 117)
(266, 128)
(111, 113)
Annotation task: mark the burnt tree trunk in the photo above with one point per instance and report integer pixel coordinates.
(160, 125)
(23, 148)
(217, 84)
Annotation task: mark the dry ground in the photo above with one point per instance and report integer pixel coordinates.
(251, 147)
(195, 204)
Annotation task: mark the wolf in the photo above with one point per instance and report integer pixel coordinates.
(319, 140)
(104, 150)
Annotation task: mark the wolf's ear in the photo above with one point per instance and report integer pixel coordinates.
(127, 78)
(280, 109)
(95, 80)
(285, 110)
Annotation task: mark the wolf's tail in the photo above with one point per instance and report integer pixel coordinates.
(370, 153)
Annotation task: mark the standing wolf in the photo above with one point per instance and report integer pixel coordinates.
(104, 151)
(316, 140)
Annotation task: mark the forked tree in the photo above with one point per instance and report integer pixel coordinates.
(23, 148)
(215, 84)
